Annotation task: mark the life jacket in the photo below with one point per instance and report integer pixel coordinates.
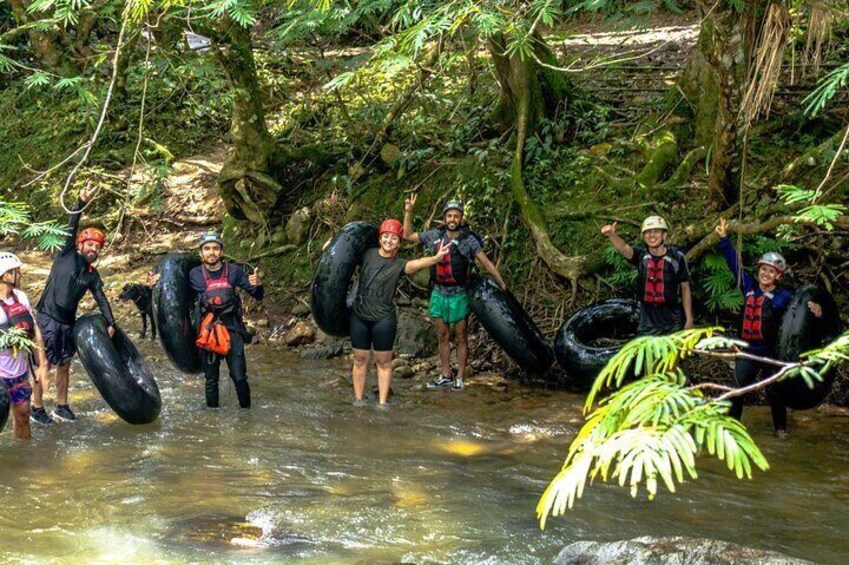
(658, 285)
(758, 315)
(18, 316)
(453, 269)
(213, 335)
(219, 296)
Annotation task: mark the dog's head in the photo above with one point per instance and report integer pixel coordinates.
(131, 291)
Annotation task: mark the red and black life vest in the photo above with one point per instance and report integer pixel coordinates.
(219, 296)
(757, 316)
(453, 269)
(18, 316)
(659, 276)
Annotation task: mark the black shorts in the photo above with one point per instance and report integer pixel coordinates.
(380, 335)
(58, 340)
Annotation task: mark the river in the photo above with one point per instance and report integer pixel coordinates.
(440, 477)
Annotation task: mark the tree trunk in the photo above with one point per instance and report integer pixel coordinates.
(246, 182)
(714, 84)
(546, 90)
(45, 43)
(523, 85)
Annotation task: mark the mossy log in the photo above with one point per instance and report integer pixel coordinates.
(662, 157)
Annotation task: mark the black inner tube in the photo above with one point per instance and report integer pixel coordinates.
(118, 370)
(5, 406)
(175, 307)
(510, 326)
(801, 331)
(329, 295)
(616, 318)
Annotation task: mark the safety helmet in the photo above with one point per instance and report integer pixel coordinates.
(775, 260)
(91, 234)
(210, 237)
(654, 223)
(455, 204)
(8, 261)
(391, 226)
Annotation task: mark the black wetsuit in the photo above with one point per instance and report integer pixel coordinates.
(71, 276)
(231, 317)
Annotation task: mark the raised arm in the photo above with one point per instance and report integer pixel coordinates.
(74, 224)
(730, 255)
(619, 244)
(409, 234)
(425, 262)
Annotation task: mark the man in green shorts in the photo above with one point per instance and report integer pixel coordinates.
(449, 305)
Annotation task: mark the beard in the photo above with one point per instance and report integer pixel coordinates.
(90, 257)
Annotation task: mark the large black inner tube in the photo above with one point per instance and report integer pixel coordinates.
(5, 406)
(615, 318)
(328, 299)
(801, 331)
(510, 326)
(175, 305)
(118, 370)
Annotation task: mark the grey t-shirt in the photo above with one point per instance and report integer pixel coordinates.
(375, 299)
(467, 246)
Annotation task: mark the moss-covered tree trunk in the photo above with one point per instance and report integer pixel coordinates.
(546, 89)
(714, 83)
(528, 94)
(246, 182)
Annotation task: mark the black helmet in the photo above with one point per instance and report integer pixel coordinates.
(210, 237)
(455, 204)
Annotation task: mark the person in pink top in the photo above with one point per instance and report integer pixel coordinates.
(16, 312)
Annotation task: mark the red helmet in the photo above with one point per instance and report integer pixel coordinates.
(391, 226)
(91, 234)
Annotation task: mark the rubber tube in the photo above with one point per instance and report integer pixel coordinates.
(118, 370)
(801, 331)
(175, 305)
(5, 406)
(329, 295)
(510, 326)
(616, 317)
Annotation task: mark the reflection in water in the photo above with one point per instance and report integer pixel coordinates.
(440, 477)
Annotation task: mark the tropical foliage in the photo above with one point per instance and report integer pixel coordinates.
(652, 430)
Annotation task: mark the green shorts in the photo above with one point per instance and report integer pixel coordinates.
(450, 309)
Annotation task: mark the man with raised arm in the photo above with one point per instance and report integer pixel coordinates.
(71, 276)
(449, 305)
(663, 283)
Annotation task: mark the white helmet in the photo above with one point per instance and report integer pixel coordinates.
(774, 260)
(654, 223)
(8, 261)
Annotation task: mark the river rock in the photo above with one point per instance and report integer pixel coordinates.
(323, 352)
(649, 550)
(402, 372)
(300, 334)
(415, 336)
(398, 362)
(298, 226)
(300, 310)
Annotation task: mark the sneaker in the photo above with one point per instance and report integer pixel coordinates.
(441, 382)
(41, 416)
(64, 413)
(782, 434)
(360, 403)
(458, 384)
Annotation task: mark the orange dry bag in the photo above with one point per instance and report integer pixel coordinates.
(213, 336)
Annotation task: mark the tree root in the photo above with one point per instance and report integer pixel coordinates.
(682, 173)
(661, 158)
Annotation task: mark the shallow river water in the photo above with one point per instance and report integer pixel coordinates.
(440, 477)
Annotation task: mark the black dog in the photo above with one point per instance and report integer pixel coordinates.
(142, 297)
